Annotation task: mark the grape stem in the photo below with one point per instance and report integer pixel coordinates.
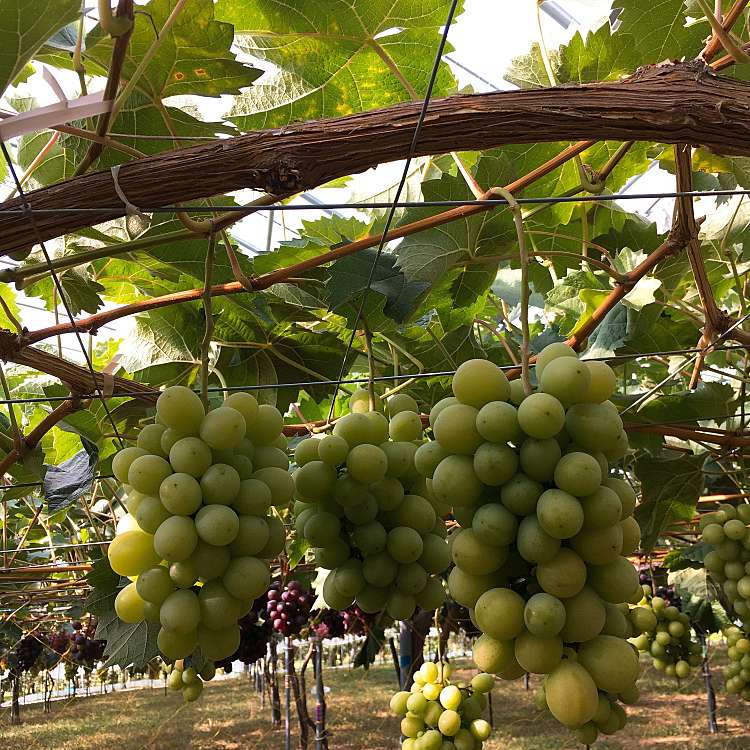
(370, 366)
(518, 221)
(207, 310)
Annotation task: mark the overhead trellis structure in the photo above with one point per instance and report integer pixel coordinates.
(109, 238)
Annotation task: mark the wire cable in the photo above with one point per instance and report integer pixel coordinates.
(392, 206)
(60, 291)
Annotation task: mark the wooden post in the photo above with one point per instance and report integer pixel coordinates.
(15, 708)
(713, 727)
(321, 737)
(288, 657)
(405, 654)
(275, 697)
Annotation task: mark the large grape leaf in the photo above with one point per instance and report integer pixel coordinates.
(349, 281)
(670, 487)
(195, 57)
(127, 644)
(428, 255)
(25, 26)
(709, 401)
(336, 57)
(600, 56)
(659, 30)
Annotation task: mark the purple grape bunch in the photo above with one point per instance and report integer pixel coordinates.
(288, 608)
(84, 648)
(329, 623)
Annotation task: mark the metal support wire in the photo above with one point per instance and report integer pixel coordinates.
(548, 199)
(392, 207)
(642, 399)
(58, 285)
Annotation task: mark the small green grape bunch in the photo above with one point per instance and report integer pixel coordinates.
(727, 535)
(440, 715)
(185, 677)
(665, 634)
(737, 672)
(362, 505)
(200, 488)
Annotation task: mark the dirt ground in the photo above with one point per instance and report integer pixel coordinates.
(229, 716)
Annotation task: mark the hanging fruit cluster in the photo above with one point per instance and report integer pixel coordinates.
(436, 711)
(726, 533)
(200, 490)
(185, 677)
(737, 672)
(665, 634)
(540, 556)
(288, 607)
(361, 503)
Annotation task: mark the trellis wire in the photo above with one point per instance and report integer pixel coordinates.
(392, 206)
(58, 285)
(552, 200)
(355, 381)
(643, 398)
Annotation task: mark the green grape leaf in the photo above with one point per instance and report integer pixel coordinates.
(296, 551)
(127, 643)
(709, 401)
(528, 71)
(195, 56)
(333, 60)
(428, 255)
(682, 558)
(670, 487)
(165, 343)
(370, 648)
(658, 31)
(24, 27)
(702, 600)
(349, 280)
(601, 56)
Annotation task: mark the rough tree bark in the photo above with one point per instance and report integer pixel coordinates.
(667, 103)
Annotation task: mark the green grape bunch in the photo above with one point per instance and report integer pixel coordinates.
(737, 672)
(186, 678)
(540, 555)
(665, 634)
(727, 536)
(200, 488)
(363, 506)
(440, 715)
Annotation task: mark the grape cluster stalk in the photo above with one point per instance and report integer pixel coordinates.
(544, 530)
(200, 489)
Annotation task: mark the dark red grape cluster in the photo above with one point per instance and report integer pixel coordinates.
(84, 649)
(357, 622)
(255, 632)
(329, 623)
(288, 608)
(24, 656)
(665, 592)
(59, 641)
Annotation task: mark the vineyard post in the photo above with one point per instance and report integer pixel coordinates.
(321, 739)
(275, 698)
(405, 654)
(15, 707)
(288, 661)
(713, 727)
(394, 655)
